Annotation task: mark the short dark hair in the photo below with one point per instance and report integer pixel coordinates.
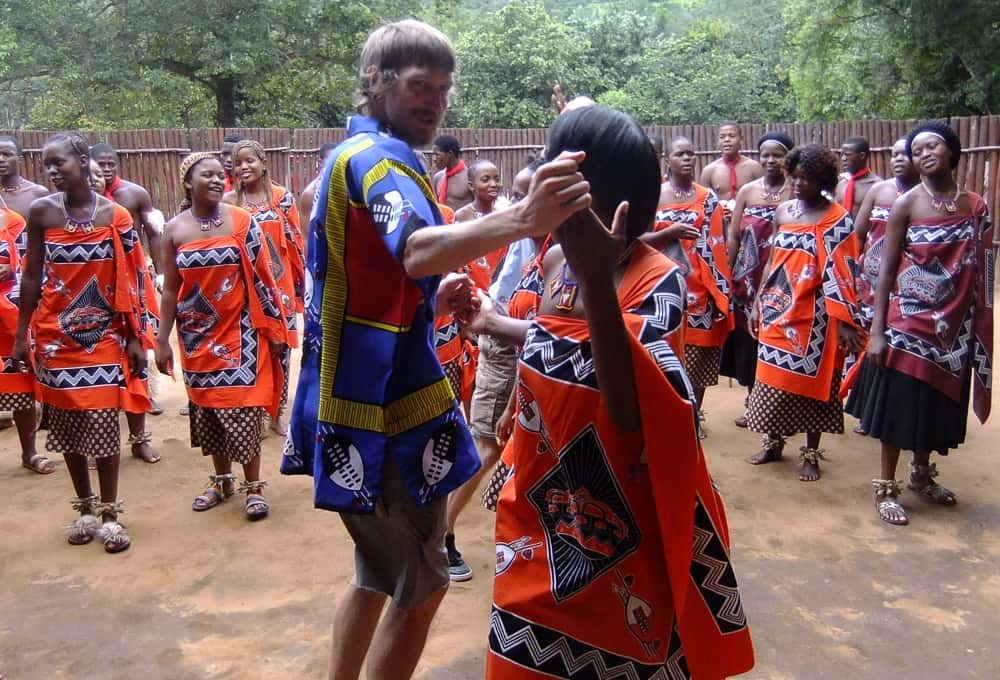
(942, 130)
(676, 140)
(102, 147)
(779, 137)
(817, 162)
(620, 163)
(859, 143)
(474, 166)
(232, 138)
(732, 124)
(12, 140)
(449, 144)
(327, 148)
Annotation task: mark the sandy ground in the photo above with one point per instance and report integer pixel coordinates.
(830, 591)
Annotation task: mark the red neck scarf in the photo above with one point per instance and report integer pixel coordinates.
(849, 190)
(731, 164)
(110, 189)
(448, 174)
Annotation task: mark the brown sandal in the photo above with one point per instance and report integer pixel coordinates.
(83, 529)
(886, 493)
(113, 533)
(39, 464)
(256, 507)
(220, 488)
(922, 483)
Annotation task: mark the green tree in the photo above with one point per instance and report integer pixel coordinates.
(918, 58)
(508, 62)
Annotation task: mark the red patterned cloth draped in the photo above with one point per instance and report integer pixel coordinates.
(13, 241)
(756, 228)
(704, 265)
(940, 317)
(95, 294)
(279, 221)
(810, 285)
(228, 308)
(871, 260)
(612, 548)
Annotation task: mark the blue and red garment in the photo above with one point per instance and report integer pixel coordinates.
(371, 386)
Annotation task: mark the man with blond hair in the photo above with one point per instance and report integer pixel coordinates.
(375, 421)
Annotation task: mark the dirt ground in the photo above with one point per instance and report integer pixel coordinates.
(829, 590)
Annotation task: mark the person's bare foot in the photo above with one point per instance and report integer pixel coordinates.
(889, 510)
(809, 472)
(39, 464)
(154, 408)
(141, 448)
(6, 423)
(770, 451)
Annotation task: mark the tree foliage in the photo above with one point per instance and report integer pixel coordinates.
(190, 63)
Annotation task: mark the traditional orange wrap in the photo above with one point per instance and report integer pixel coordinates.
(612, 548)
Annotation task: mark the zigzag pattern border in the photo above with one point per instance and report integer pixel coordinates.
(208, 257)
(81, 252)
(83, 376)
(593, 664)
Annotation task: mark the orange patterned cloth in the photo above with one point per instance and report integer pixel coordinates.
(447, 336)
(704, 264)
(809, 290)
(96, 293)
(280, 223)
(13, 241)
(483, 269)
(612, 549)
(481, 272)
(228, 309)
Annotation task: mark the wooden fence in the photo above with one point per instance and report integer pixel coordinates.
(152, 157)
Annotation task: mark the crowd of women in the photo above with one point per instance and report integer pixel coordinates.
(771, 279)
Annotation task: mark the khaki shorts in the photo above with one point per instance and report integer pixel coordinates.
(495, 377)
(399, 551)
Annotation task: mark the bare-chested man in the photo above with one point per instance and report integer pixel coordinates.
(309, 193)
(727, 174)
(16, 192)
(450, 181)
(148, 223)
(857, 179)
(132, 197)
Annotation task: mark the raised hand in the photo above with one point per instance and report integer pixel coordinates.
(558, 190)
(589, 246)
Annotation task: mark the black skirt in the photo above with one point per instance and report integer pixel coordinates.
(739, 357)
(908, 413)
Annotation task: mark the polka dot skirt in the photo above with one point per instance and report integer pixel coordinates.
(772, 410)
(233, 433)
(95, 433)
(702, 364)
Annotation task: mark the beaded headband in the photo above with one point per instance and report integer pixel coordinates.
(193, 159)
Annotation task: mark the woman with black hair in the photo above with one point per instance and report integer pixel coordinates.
(594, 529)
(749, 248)
(932, 331)
(89, 321)
(806, 315)
(220, 289)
